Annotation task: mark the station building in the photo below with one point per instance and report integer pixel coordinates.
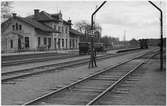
(40, 31)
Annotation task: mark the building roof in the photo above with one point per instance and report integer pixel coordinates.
(44, 16)
(36, 21)
(36, 24)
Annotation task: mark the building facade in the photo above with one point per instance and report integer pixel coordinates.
(40, 31)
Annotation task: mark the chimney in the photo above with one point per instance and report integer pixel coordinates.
(69, 21)
(36, 12)
(14, 14)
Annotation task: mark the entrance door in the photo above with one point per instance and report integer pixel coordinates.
(19, 43)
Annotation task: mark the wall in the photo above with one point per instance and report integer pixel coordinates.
(27, 31)
(62, 35)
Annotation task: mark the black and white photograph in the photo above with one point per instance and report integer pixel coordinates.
(83, 52)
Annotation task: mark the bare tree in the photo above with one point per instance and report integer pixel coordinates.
(6, 10)
(81, 26)
(85, 27)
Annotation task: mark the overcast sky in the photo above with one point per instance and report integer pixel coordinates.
(138, 19)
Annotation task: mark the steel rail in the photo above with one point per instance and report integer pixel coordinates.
(50, 65)
(118, 81)
(73, 63)
(81, 80)
(68, 64)
(34, 60)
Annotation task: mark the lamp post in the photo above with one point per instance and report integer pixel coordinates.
(92, 56)
(161, 29)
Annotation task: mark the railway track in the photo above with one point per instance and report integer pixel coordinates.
(88, 90)
(7, 76)
(17, 60)
(35, 59)
(11, 75)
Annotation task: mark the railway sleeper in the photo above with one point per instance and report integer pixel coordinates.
(120, 92)
(132, 79)
(112, 74)
(66, 102)
(106, 78)
(88, 90)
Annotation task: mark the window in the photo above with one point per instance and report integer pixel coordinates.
(55, 27)
(13, 27)
(20, 27)
(27, 42)
(62, 42)
(16, 26)
(70, 43)
(66, 29)
(66, 43)
(55, 42)
(59, 28)
(73, 43)
(11, 43)
(45, 41)
(49, 42)
(58, 43)
(76, 43)
(62, 29)
(39, 41)
(19, 44)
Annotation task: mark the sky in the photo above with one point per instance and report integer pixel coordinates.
(132, 19)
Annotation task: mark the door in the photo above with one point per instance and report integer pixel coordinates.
(19, 43)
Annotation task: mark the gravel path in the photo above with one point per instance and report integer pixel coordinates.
(22, 90)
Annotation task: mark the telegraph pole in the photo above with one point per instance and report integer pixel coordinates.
(161, 29)
(92, 55)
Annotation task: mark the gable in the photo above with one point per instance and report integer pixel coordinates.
(33, 23)
(7, 27)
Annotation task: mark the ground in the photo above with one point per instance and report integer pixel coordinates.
(148, 89)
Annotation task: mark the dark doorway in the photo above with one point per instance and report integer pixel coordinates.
(19, 43)
(27, 42)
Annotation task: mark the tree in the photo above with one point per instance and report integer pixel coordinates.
(6, 7)
(109, 41)
(85, 27)
(81, 26)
